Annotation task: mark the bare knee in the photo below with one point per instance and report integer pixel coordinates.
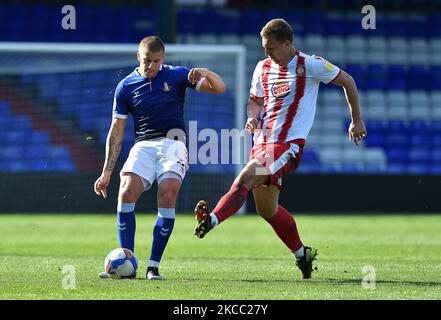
(252, 174)
(129, 191)
(167, 198)
(126, 195)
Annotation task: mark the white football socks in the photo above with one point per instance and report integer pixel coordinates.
(299, 253)
(214, 220)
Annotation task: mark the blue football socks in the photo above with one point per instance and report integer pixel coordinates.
(161, 233)
(126, 225)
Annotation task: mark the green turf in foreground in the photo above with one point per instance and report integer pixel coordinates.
(242, 259)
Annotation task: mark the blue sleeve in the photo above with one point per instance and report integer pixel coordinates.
(183, 74)
(120, 108)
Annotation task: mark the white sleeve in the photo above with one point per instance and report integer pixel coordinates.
(256, 89)
(323, 70)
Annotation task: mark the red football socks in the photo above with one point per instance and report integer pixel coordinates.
(231, 202)
(285, 227)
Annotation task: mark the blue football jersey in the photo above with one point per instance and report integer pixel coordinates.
(157, 104)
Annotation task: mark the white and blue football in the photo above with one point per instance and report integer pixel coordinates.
(121, 263)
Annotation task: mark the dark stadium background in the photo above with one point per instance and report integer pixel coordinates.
(47, 165)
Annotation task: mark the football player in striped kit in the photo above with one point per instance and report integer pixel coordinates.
(283, 93)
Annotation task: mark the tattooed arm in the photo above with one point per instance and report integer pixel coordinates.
(113, 148)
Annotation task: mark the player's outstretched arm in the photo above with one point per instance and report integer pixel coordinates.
(357, 128)
(113, 148)
(206, 80)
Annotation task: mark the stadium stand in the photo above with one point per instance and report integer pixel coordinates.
(397, 68)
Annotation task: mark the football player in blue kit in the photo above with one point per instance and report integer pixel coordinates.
(154, 95)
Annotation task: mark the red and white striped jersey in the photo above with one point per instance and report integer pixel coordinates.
(290, 96)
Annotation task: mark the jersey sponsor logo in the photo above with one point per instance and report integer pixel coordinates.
(280, 88)
(136, 94)
(166, 87)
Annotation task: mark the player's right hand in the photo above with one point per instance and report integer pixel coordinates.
(251, 125)
(101, 184)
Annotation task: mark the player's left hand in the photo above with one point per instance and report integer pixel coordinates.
(357, 131)
(197, 74)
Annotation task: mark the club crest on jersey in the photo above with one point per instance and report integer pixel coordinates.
(300, 70)
(166, 87)
(280, 88)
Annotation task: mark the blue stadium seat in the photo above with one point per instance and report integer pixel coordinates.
(375, 139)
(314, 22)
(13, 137)
(421, 139)
(63, 165)
(435, 169)
(58, 152)
(373, 169)
(418, 168)
(397, 168)
(187, 21)
(252, 20)
(18, 166)
(418, 77)
(436, 156)
(377, 126)
(436, 140)
(376, 77)
(5, 109)
(397, 77)
(434, 25)
(40, 152)
(350, 169)
(419, 126)
(436, 127)
(22, 123)
(335, 26)
(210, 21)
(230, 25)
(419, 154)
(435, 81)
(397, 154)
(397, 139)
(354, 26)
(295, 19)
(306, 167)
(397, 126)
(396, 27)
(13, 152)
(310, 157)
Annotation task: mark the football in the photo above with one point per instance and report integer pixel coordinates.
(121, 263)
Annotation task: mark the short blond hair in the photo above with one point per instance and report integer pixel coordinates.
(152, 44)
(277, 29)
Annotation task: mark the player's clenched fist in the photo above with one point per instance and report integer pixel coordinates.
(251, 124)
(197, 74)
(101, 184)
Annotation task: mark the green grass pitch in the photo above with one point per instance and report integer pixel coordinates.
(241, 259)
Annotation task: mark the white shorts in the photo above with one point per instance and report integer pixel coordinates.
(149, 159)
